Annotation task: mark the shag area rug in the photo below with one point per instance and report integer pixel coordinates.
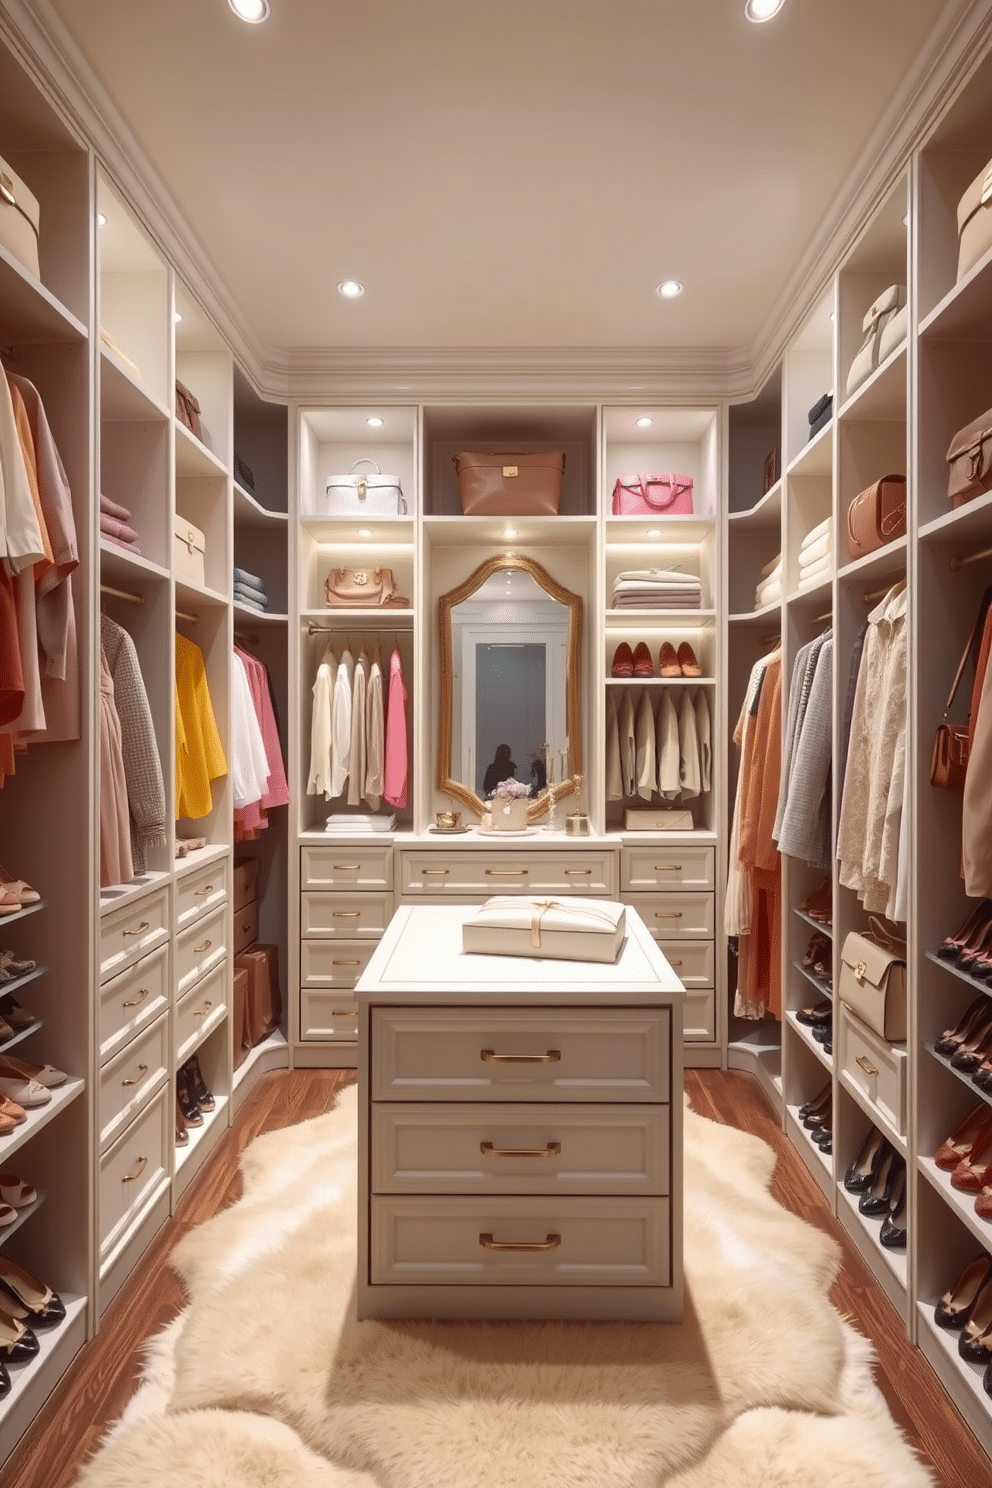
(267, 1380)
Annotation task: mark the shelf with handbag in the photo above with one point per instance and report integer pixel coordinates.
(873, 314)
(660, 464)
(955, 458)
(505, 461)
(359, 464)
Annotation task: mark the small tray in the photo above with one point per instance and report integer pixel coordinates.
(448, 831)
(502, 832)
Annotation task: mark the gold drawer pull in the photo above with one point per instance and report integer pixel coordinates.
(346, 914)
(577, 872)
(246, 924)
(347, 867)
(140, 929)
(675, 963)
(551, 1057)
(488, 1150)
(356, 962)
(142, 1070)
(864, 1064)
(507, 872)
(668, 867)
(203, 1011)
(343, 1013)
(551, 1243)
(424, 871)
(199, 893)
(668, 914)
(142, 1165)
(142, 994)
(205, 946)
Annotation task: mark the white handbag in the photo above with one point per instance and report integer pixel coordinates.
(884, 326)
(364, 495)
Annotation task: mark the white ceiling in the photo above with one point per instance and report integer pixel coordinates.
(512, 174)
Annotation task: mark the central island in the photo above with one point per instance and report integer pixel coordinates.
(520, 1129)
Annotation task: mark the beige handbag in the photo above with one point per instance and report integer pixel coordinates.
(190, 547)
(20, 218)
(363, 589)
(510, 485)
(873, 979)
(975, 221)
(884, 326)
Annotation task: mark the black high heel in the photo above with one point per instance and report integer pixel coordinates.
(859, 1178)
(203, 1097)
(877, 1200)
(818, 1103)
(893, 1232)
(187, 1101)
(954, 1308)
(23, 1296)
(952, 1038)
(975, 1341)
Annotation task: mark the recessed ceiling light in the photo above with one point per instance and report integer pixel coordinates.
(644, 422)
(365, 531)
(351, 289)
(762, 10)
(252, 11)
(374, 422)
(669, 288)
(101, 219)
(654, 532)
(177, 316)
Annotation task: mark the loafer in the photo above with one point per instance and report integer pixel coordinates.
(623, 661)
(11, 1115)
(688, 664)
(42, 1074)
(26, 1093)
(643, 665)
(668, 661)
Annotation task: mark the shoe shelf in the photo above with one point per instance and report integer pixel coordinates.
(40, 1116)
(874, 1114)
(825, 989)
(22, 1033)
(956, 971)
(200, 1144)
(820, 1163)
(962, 1380)
(33, 1381)
(823, 928)
(23, 1215)
(980, 1095)
(865, 1231)
(806, 1034)
(660, 681)
(962, 1203)
(6, 988)
(20, 914)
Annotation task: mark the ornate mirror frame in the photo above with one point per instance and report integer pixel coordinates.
(573, 710)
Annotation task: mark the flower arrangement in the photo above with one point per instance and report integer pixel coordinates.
(510, 790)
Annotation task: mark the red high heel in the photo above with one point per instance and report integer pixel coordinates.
(960, 1143)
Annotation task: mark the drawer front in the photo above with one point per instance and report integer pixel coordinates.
(200, 1011)
(244, 883)
(335, 963)
(328, 1016)
(200, 948)
(699, 1016)
(674, 915)
(128, 934)
(134, 1165)
(588, 1241)
(127, 1080)
(367, 866)
(503, 872)
(691, 960)
(876, 1068)
(245, 927)
(134, 999)
(513, 1054)
(520, 1149)
(679, 866)
(345, 916)
(199, 892)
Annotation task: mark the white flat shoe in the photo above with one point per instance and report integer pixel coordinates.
(15, 1193)
(7, 1215)
(43, 1074)
(26, 1093)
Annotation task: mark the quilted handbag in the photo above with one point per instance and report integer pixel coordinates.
(975, 221)
(188, 410)
(507, 484)
(363, 495)
(877, 516)
(969, 460)
(873, 979)
(243, 474)
(363, 589)
(652, 495)
(884, 326)
(19, 219)
(820, 414)
(952, 743)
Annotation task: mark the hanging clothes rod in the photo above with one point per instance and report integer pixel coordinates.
(962, 560)
(248, 637)
(137, 599)
(870, 595)
(183, 615)
(819, 619)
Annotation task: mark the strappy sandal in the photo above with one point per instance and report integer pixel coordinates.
(15, 1192)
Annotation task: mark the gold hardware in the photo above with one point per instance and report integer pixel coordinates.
(507, 872)
(668, 914)
(343, 1013)
(510, 470)
(198, 893)
(551, 1057)
(142, 1165)
(869, 1069)
(142, 994)
(142, 1070)
(202, 1012)
(346, 963)
(346, 867)
(442, 871)
(7, 189)
(362, 488)
(190, 542)
(577, 872)
(675, 963)
(859, 972)
(145, 925)
(668, 867)
(205, 946)
(361, 579)
(551, 1243)
(346, 914)
(488, 1150)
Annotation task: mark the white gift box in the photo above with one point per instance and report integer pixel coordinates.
(576, 929)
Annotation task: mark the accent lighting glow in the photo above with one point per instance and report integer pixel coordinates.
(252, 11)
(668, 289)
(644, 423)
(374, 422)
(762, 10)
(351, 289)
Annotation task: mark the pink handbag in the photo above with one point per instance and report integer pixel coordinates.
(653, 495)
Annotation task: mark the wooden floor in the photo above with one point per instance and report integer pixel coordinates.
(104, 1376)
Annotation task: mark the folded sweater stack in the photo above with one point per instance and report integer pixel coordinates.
(769, 590)
(656, 589)
(816, 555)
(115, 525)
(250, 590)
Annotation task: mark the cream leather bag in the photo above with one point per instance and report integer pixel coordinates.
(20, 217)
(884, 326)
(975, 221)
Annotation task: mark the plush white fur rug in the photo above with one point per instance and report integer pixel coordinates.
(268, 1381)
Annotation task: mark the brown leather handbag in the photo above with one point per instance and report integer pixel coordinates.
(969, 460)
(952, 744)
(877, 516)
(188, 410)
(363, 589)
(510, 485)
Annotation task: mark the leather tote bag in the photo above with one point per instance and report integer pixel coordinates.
(951, 745)
(975, 221)
(363, 589)
(877, 516)
(20, 218)
(969, 460)
(359, 494)
(188, 410)
(883, 327)
(873, 979)
(653, 496)
(507, 484)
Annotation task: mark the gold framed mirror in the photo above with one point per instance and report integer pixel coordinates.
(511, 664)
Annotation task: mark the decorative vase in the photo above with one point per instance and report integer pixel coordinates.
(509, 816)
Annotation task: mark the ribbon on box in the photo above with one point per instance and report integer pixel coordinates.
(581, 910)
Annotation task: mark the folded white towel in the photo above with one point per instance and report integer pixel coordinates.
(772, 570)
(816, 550)
(769, 593)
(814, 576)
(826, 526)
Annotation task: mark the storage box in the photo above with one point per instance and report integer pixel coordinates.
(245, 883)
(189, 552)
(640, 819)
(875, 1068)
(555, 929)
(20, 217)
(264, 1000)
